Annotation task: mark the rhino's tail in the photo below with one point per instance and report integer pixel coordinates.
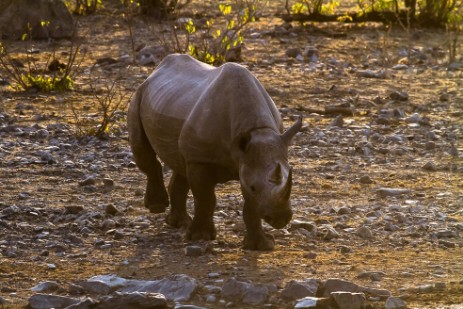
(141, 147)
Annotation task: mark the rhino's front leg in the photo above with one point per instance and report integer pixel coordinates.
(256, 238)
(202, 180)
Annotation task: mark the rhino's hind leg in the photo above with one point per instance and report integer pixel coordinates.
(256, 238)
(202, 182)
(156, 198)
(178, 192)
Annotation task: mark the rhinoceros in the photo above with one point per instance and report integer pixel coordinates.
(211, 125)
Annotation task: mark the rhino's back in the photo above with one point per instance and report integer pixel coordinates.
(192, 111)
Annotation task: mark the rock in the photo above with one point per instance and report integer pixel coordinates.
(338, 121)
(177, 287)
(255, 295)
(307, 302)
(310, 54)
(447, 244)
(455, 66)
(293, 52)
(180, 306)
(45, 301)
(364, 232)
(194, 251)
(328, 232)
(111, 209)
(46, 287)
(139, 300)
(93, 287)
(372, 275)
(306, 225)
(445, 233)
(395, 303)
(4, 301)
(17, 16)
(429, 166)
(385, 192)
(399, 67)
(108, 182)
(298, 289)
(415, 118)
(89, 181)
(347, 300)
(245, 292)
(85, 304)
(152, 54)
(371, 74)
(338, 285)
(365, 179)
(398, 95)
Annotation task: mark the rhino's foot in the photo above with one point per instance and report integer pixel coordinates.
(178, 220)
(156, 207)
(202, 231)
(260, 241)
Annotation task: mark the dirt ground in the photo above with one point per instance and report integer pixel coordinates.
(337, 168)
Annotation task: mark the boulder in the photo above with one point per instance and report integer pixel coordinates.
(42, 19)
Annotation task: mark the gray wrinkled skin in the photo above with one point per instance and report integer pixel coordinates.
(211, 125)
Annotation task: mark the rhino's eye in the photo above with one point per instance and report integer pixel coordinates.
(253, 189)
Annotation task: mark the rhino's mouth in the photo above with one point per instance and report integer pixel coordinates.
(280, 220)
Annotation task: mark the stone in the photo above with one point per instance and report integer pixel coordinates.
(194, 251)
(245, 292)
(177, 287)
(152, 54)
(46, 287)
(364, 232)
(94, 287)
(234, 289)
(371, 74)
(180, 306)
(45, 301)
(338, 285)
(386, 192)
(365, 179)
(310, 54)
(306, 303)
(89, 181)
(430, 166)
(111, 209)
(398, 95)
(255, 294)
(293, 52)
(395, 303)
(348, 300)
(306, 225)
(140, 300)
(17, 16)
(328, 232)
(372, 275)
(295, 289)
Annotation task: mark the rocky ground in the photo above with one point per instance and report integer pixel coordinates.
(377, 192)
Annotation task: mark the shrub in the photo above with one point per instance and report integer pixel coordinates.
(214, 42)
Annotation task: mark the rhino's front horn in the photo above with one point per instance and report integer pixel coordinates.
(289, 134)
(286, 192)
(277, 175)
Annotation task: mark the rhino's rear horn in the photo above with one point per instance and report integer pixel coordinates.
(286, 192)
(289, 134)
(277, 175)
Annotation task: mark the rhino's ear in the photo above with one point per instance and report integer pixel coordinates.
(289, 134)
(240, 144)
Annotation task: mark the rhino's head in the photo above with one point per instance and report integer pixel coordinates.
(265, 175)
